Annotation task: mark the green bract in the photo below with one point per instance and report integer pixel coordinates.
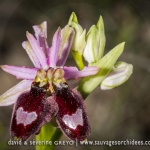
(95, 42)
(111, 74)
(117, 76)
(88, 84)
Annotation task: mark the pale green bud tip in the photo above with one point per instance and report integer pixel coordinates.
(91, 50)
(100, 22)
(120, 74)
(79, 39)
(96, 40)
(79, 46)
(73, 18)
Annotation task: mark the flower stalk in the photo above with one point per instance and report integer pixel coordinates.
(48, 133)
(78, 59)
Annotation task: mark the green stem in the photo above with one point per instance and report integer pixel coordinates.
(78, 59)
(45, 134)
(48, 133)
(56, 136)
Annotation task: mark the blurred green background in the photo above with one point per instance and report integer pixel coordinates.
(118, 114)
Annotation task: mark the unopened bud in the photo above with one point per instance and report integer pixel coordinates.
(79, 39)
(120, 74)
(95, 42)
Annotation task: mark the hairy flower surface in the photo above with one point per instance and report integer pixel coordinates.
(44, 91)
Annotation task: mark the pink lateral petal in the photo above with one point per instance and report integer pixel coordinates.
(38, 51)
(41, 36)
(26, 45)
(66, 43)
(10, 96)
(40, 30)
(20, 72)
(74, 73)
(54, 50)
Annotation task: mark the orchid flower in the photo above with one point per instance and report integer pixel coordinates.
(43, 91)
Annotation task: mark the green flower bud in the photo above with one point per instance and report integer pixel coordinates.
(120, 74)
(78, 42)
(95, 42)
(79, 39)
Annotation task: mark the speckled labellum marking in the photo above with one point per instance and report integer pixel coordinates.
(72, 121)
(32, 110)
(72, 117)
(24, 117)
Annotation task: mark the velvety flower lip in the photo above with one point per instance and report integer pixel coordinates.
(44, 57)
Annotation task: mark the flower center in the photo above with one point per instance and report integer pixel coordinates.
(48, 79)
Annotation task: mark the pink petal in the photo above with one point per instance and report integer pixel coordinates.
(10, 96)
(37, 50)
(40, 30)
(54, 50)
(26, 45)
(67, 36)
(20, 72)
(41, 35)
(74, 73)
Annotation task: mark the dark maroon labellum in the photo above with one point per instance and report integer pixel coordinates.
(31, 111)
(72, 117)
